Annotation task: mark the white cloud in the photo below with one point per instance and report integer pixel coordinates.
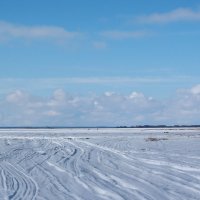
(180, 14)
(196, 89)
(16, 97)
(13, 31)
(62, 109)
(51, 113)
(119, 35)
(71, 110)
(59, 95)
(135, 95)
(99, 45)
(52, 83)
(108, 94)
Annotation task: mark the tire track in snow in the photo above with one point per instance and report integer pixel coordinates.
(175, 179)
(98, 178)
(17, 184)
(90, 179)
(107, 168)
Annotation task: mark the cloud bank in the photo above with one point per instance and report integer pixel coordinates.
(177, 15)
(13, 31)
(19, 108)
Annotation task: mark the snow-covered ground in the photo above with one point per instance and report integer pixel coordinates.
(95, 164)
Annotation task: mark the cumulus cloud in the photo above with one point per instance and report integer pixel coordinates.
(13, 31)
(16, 97)
(196, 90)
(180, 14)
(112, 109)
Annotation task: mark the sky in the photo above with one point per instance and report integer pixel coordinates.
(99, 63)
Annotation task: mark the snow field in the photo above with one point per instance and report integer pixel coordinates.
(99, 164)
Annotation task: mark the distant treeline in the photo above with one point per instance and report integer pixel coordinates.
(161, 126)
(136, 126)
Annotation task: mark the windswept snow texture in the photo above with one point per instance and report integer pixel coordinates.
(100, 164)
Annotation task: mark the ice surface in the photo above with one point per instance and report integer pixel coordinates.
(100, 164)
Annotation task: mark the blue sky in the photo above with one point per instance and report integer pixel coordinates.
(89, 49)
